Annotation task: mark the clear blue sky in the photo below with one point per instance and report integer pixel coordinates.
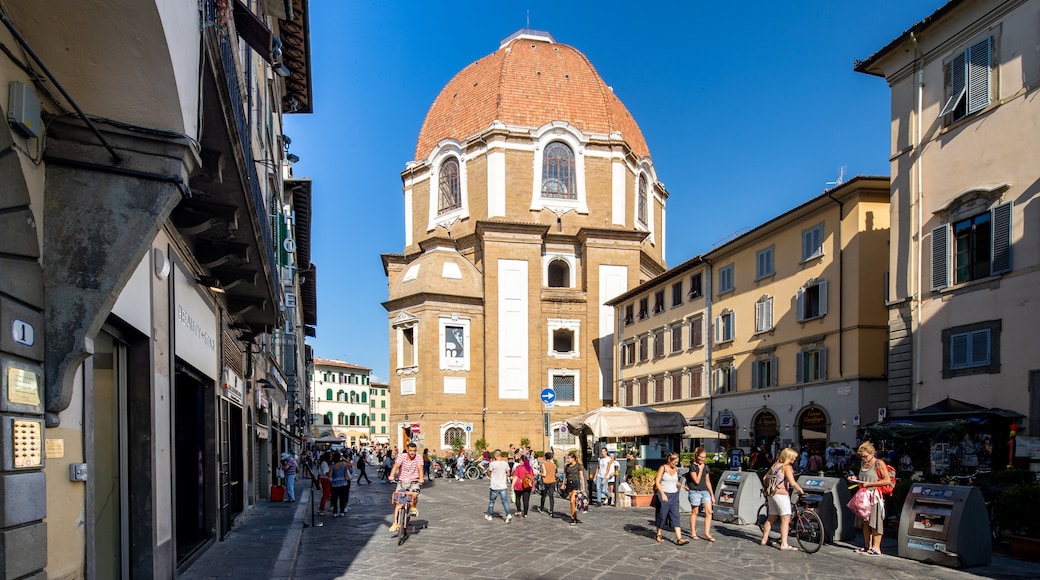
(748, 110)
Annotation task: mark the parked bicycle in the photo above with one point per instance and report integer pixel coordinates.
(806, 525)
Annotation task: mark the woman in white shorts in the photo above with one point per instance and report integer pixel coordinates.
(780, 502)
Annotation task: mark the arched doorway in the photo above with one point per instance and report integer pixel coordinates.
(812, 429)
(767, 432)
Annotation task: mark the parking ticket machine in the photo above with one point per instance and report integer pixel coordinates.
(946, 525)
(827, 496)
(738, 497)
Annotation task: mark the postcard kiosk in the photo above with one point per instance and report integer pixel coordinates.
(946, 525)
(827, 496)
(738, 497)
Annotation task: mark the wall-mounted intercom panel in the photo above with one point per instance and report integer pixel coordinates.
(22, 443)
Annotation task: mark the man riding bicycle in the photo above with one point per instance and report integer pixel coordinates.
(410, 468)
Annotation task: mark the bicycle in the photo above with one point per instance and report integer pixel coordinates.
(404, 515)
(806, 525)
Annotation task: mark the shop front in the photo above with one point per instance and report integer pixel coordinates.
(812, 429)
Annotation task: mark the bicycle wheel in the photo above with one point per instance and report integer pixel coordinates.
(473, 472)
(808, 528)
(402, 524)
(763, 514)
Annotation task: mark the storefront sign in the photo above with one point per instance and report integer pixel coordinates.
(262, 432)
(234, 386)
(814, 418)
(725, 419)
(196, 326)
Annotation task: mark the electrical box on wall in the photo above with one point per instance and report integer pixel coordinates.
(23, 110)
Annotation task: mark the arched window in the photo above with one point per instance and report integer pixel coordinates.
(353, 397)
(364, 419)
(559, 274)
(353, 419)
(341, 396)
(328, 418)
(641, 201)
(364, 397)
(558, 172)
(454, 434)
(328, 395)
(449, 190)
(342, 419)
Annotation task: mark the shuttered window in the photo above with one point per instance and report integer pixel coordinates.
(968, 81)
(812, 242)
(970, 349)
(811, 301)
(764, 314)
(978, 247)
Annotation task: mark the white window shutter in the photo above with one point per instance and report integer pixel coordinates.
(1001, 259)
(823, 298)
(760, 316)
(823, 363)
(940, 257)
(718, 329)
(799, 305)
(754, 374)
(799, 370)
(978, 76)
(769, 314)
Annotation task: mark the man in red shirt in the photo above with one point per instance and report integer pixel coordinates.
(410, 467)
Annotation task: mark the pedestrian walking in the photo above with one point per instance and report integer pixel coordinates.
(573, 483)
(361, 465)
(601, 475)
(698, 481)
(613, 468)
(780, 477)
(498, 470)
(523, 484)
(289, 467)
(339, 481)
(548, 469)
(873, 474)
(324, 467)
(666, 487)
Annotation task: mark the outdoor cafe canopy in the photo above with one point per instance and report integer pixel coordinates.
(627, 422)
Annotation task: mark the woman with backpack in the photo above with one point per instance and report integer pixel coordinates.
(873, 476)
(778, 483)
(523, 484)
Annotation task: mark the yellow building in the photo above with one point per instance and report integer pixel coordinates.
(532, 199)
(378, 420)
(965, 259)
(774, 338)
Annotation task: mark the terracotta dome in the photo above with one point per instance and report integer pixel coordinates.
(529, 81)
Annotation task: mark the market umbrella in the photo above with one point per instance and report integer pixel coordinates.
(693, 432)
(627, 422)
(327, 439)
(810, 434)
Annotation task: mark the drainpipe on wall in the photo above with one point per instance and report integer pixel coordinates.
(918, 143)
(841, 292)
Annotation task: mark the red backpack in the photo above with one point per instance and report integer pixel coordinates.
(891, 487)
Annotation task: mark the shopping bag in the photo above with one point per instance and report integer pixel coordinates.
(861, 503)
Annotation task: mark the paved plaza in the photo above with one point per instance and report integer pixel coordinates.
(455, 541)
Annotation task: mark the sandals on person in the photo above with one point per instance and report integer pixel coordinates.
(709, 538)
(873, 553)
(787, 548)
(659, 538)
(682, 542)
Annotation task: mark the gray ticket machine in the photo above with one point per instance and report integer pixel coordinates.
(827, 496)
(946, 525)
(738, 497)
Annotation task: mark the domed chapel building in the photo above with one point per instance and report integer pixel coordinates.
(531, 201)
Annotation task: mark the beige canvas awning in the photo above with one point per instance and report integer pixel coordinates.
(628, 422)
(692, 432)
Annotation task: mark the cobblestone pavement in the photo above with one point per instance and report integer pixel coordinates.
(452, 539)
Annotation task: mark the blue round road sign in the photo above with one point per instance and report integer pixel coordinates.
(548, 396)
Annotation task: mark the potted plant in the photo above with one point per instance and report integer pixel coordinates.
(643, 486)
(1018, 513)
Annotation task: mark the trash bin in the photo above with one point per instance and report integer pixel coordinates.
(827, 496)
(738, 497)
(946, 525)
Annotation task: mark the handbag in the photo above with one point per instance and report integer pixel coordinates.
(861, 503)
(656, 500)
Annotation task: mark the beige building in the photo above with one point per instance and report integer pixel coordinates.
(965, 257)
(776, 337)
(532, 199)
(156, 282)
(340, 401)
